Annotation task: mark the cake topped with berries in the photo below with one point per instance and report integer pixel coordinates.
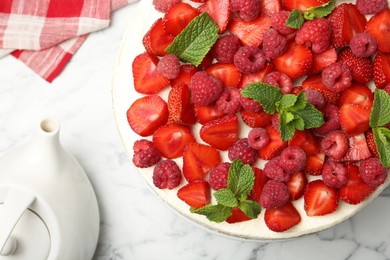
(261, 119)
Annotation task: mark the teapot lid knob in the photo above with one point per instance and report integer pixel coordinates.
(9, 247)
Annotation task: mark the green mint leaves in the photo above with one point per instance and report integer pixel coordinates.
(297, 17)
(295, 112)
(195, 41)
(240, 182)
(379, 117)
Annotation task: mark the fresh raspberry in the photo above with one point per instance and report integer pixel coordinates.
(241, 150)
(274, 44)
(218, 177)
(229, 101)
(258, 138)
(334, 174)
(371, 6)
(372, 172)
(336, 77)
(293, 159)
(315, 33)
(248, 9)
(167, 174)
(274, 194)
(250, 104)
(225, 48)
(275, 120)
(249, 59)
(335, 144)
(331, 118)
(274, 171)
(315, 98)
(363, 45)
(205, 88)
(163, 5)
(278, 22)
(145, 154)
(279, 79)
(169, 66)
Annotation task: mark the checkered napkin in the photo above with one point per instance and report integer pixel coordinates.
(44, 34)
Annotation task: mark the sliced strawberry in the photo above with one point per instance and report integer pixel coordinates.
(198, 159)
(382, 69)
(178, 17)
(314, 164)
(180, 108)
(259, 119)
(146, 114)
(171, 139)
(361, 68)
(219, 10)
(296, 185)
(227, 73)
(356, 94)
(346, 22)
(275, 145)
(356, 190)
(305, 140)
(282, 218)
(156, 40)
(147, 80)
(256, 77)
(320, 199)
(269, 7)
(207, 60)
(358, 149)
(354, 119)
(251, 33)
(260, 180)
(323, 59)
(315, 82)
(379, 27)
(296, 61)
(185, 75)
(196, 194)
(220, 133)
(237, 216)
(206, 114)
(302, 5)
(371, 143)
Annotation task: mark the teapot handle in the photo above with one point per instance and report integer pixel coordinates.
(15, 204)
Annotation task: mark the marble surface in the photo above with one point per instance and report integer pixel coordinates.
(134, 223)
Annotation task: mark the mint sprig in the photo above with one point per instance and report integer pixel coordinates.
(263, 93)
(240, 183)
(195, 41)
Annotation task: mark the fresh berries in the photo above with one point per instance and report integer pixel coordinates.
(378, 26)
(205, 88)
(282, 218)
(316, 33)
(273, 43)
(337, 77)
(169, 66)
(274, 171)
(230, 101)
(293, 159)
(335, 144)
(241, 150)
(250, 104)
(372, 172)
(320, 199)
(274, 194)
(164, 5)
(145, 154)
(279, 79)
(361, 68)
(247, 9)
(219, 175)
(278, 21)
(382, 69)
(258, 138)
(334, 174)
(167, 174)
(331, 118)
(315, 98)
(196, 194)
(225, 48)
(249, 59)
(363, 45)
(371, 6)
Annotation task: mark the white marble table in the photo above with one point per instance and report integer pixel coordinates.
(134, 223)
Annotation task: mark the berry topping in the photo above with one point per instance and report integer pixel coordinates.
(361, 68)
(315, 33)
(169, 66)
(335, 144)
(371, 6)
(337, 77)
(145, 154)
(273, 44)
(379, 27)
(258, 138)
(249, 59)
(363, 45)
(296, 185)
(331, 118)
(315, 98)
(274, 194)
(282, 218)
(247, 9)
(164, 5)
(320, 199)
(354, 119)
(205, 88)
(278, 21)
(241, 150)
(279, 79)
(382, 69)
(250, 104)
(225, 48)
(293, 159)
(230, 101)
(196, 194)
(372, 172)
(274, 171)
(334, 174)
(166, 174)
(219, 175)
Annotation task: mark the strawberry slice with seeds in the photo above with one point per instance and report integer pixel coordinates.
(379, 27)
(314, 164)
(269, 7)
(180, 108)
(185, 75)
(320, 199)
(256, 77)
(206, 114)
(275, 145)
(198, 159)
(361, 68)
(305, 140)
(358, 149)
(302, 5)
(354, 119)
(321, 60)
(171, 139)
(371, 143)
(258, 119)
(147, 80)
(220, 133)
(251, 33)
(260, 180)
(314, 82)
(178, 17)
(219, 10)
(156, 40)
(382, 69)
(196, 194)
(146, 114)
(296, 185)
(356, 190)
(227, 73)
(237, 216)
(356, 94)
(282, 218)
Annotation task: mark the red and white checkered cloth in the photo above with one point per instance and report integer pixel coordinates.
(44, 34)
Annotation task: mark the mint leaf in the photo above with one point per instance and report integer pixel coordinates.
(216, 213)
(380, 112)
(245, 181)
(295, 19)
(300, 103)
(382, 141)
(195, 41)
(226, 198)
(319, 11)
(234, 175)
(287, 100)
(263, 93)
(251, 208)
(288, 124)
(311, 116)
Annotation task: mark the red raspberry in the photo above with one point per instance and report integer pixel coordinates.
(363, 45)
(164, 5)
(372, 172)
(250, 104)
(225, 48)
(279, 79)
(315, 33)
(167, 174)
(230, 101)
(241, 150)
(169, 66)
(293, 159)
(371, 6)
(335, 144)
(336, 77)
(278, 21)
(258, 138)
(274, 44)
(315, 98)
(248, 9)
(334, 174)
(249, 59)
(145, 154)
(274, 171)
(205, 88)
(274, 194)
(219, 176)
(331, 118)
